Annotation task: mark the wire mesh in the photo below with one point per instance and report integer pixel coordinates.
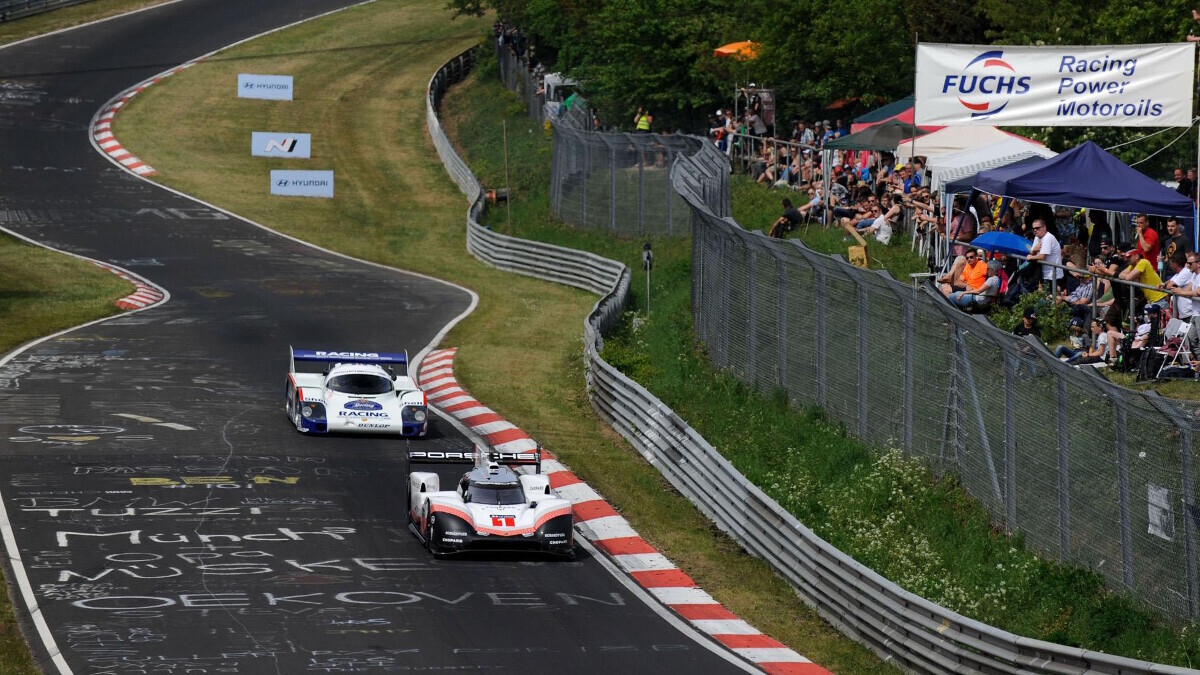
(1091, 473)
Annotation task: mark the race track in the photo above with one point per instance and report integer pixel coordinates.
(161, 515)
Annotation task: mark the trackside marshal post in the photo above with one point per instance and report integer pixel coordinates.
(1107, 86)
(273, 87)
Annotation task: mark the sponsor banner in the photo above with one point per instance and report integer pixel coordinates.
(278, 144)
(302, 183)
(1112, 86)
(274, 87)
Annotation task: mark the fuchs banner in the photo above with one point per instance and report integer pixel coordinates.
(1102, 86)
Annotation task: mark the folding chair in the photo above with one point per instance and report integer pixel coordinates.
(1176, 348)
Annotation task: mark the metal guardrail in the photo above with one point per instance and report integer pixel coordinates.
(16, 9)
(899, 626)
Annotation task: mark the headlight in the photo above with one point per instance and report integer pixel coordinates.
(307, 411)
(419, 415)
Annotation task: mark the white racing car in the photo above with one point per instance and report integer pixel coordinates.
(356, 392)
(491, 509)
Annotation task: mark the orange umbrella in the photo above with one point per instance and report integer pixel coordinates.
(742, 51)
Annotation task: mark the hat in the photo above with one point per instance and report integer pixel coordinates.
(1030, 313)
(826, 122)
(720, 112)
(1076, 322)
(1131, 251)
(751, 85)
(837, 170)
(994, 265)
(1104, 239)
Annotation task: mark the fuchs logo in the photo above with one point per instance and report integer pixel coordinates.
(286, 145)
(986, 84)
(363, 404)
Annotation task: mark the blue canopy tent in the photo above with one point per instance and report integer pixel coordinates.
(1086, 176)
(965, 184)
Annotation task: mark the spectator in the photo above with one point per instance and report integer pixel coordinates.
(1079, 300)
(872, 223)
(815, 204)
(753, 100)
(1046, 249)
(1100, 230)
(969, 277)
(1191, 175)
(1185, 187)
(963, 227)
(1076, 343)
(1028, 325)
(642, 120)
(1147, 240)
(1116, 335)
(984, 296)
(1098, 348)
(802, 134)
(1140, 271)
(1108, 262)
(1191, 293)
(1177, 240)
(1182, 277)
(787, 222)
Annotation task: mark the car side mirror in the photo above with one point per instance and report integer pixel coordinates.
(533, 505)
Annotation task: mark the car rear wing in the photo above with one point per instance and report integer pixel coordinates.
(479, 457)
(384, 358)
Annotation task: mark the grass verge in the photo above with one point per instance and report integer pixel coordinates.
(889, 512)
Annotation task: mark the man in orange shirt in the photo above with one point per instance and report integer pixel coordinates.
(972, 277)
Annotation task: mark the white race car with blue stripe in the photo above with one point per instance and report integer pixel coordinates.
(355, 392)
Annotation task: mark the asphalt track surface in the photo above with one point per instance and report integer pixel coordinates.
(167, 517)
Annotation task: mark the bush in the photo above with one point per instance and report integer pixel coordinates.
(1051, 316)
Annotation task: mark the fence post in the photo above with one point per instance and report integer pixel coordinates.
(1064, 475)
(641, 192)
(612, 187)
(863, 362)
(820, 335)
(909, 374)
(1010, 440)
(781, 321)
(751, 313)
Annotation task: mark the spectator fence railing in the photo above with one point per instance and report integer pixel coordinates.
(901, 627)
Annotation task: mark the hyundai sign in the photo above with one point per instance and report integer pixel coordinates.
(274, 87)
(1113, 86)
(272, 144)
(302, 183)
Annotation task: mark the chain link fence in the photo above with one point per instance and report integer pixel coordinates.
(619, 182)
(1092, 473)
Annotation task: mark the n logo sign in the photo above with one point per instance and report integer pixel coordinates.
(280, 144)
(286, 145)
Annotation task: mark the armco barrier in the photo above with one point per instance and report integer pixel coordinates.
(15, 9)
(902, 628)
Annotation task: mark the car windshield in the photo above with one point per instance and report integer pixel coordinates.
(497, 495)
(360, 384)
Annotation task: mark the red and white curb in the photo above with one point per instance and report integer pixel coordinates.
(102, 126)
(607, 530)
(144, 295)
